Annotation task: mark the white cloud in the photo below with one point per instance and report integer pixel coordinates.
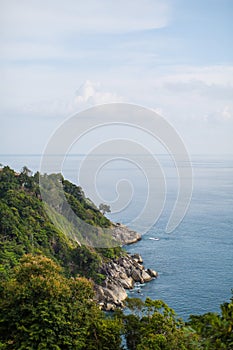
(89, 94)
(202, 88)
(86, 92)
(210, 75)
(220, 116)
(27, 51)
(56, 17)
(227, 113)
(79, 31)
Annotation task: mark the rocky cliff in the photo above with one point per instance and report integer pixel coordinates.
(121, 274)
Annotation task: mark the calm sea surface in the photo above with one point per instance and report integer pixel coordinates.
(195, 262)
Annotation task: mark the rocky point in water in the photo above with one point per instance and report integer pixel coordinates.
(122, 273)
(124, 234)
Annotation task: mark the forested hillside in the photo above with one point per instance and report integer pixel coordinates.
(47, 282)
(25, 226)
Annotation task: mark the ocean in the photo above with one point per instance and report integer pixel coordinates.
(195, 261)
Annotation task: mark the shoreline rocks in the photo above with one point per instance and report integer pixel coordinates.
(121, 274)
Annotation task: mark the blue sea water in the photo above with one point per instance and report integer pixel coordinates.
(194, 262)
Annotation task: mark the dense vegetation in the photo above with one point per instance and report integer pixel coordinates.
(153, 325)
(26, 228)
(42, 309)
(46, 284)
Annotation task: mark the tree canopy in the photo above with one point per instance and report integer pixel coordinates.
(26, 228)
(42, 309)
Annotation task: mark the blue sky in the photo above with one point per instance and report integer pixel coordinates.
(59, 57)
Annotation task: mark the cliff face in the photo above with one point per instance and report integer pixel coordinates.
(121, 274)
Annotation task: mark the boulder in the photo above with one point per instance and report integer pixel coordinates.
(139, 267)
(136, 275)
(119, 294)
(152, 273)
(114, 294)
(126, 282)
(137, 258)
(145, 276)
(99, 293)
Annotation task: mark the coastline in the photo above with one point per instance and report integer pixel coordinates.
(122, 273)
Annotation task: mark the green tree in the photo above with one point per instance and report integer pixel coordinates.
(26, 171)
(215, 330)
(105, 333)
(153, 325)
(25, 178)
(8, 180)
(104, 208)
(41, 309)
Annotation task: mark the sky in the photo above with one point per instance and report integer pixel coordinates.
(173, 56)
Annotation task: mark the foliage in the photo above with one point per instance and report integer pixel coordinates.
(105, 333)
(84, 207)
(216, 331)
(26, 228)
(153, 325)
(104, 208)
(41, 309)
(111, 253)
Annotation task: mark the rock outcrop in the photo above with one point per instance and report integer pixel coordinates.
(121, 274)
(124, 235)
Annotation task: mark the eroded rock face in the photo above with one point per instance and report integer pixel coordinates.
(121, 274)
(124, 235)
